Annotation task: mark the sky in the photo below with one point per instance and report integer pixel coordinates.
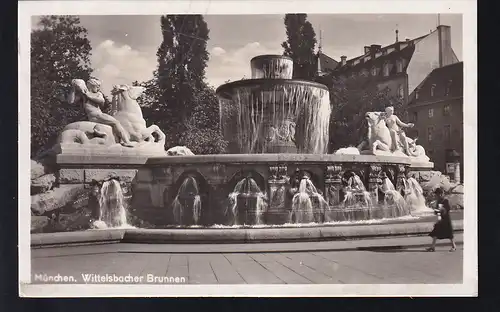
(124, 46)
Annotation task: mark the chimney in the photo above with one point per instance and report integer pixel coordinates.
(367, 49)
(407, 39)
(343, 60)
(374, 48)
(444, 40)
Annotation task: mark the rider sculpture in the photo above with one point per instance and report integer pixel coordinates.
(385, 133)
(92, 99)
(124, 126)
(396, 126)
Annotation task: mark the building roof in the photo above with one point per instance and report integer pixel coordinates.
(326, 63)
(400, 49)
(442, 75)
(392, 48)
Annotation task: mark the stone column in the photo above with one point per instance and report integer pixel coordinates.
(278, 179)
(373, 179)
(333, 184)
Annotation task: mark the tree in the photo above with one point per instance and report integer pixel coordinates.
(351, 98)
(300, 45)
(177, 98)
(60, 51)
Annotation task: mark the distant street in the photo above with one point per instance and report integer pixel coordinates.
(378, 261)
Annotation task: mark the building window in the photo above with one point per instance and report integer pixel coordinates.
(447, 133)
(399, 66)
(416, 94)
(401, 91)
(446, 110)
(414, 117)
(386, 69)
(430, 132)
(433, 87)
(448, 87)
(374, 71)
(431, 112)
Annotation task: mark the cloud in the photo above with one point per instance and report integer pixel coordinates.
(234, 64)
(217, 51)
(121, 64)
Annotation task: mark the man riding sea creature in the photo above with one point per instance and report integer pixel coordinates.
(92, 99)
(395, 126)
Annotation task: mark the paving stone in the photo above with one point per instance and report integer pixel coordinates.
(200, 271)
(282, 272)
(157, 265)
(225, 273)
(376, 266)
(254, 273)
(303, 270)
(341, 273)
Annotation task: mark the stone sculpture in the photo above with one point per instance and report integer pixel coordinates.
(385, 136)
(179, 151)
(123, 129)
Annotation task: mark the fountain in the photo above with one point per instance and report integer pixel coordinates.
(277, 170)
(112, 212)
(247, 203)
(308, 205)
(186, 207)
(393, 198)
(273, 113)
(414, 197)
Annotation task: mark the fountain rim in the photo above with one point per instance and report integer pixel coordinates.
(271, 56)
(227, 88)
(69, 160)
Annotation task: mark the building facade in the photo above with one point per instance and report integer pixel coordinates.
(400, 66)
(436, 109)
(427, 76)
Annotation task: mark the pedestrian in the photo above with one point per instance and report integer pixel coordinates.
(443, 228)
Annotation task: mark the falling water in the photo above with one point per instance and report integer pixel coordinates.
(414, 197)
(393, 199)
(304, 200)
(186, 202)
(248, 114)
(112, 210)
(254, 201)
(272, 68)
(357, 200)
(355, 193)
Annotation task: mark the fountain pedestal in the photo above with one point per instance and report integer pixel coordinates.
(333, 185)
(276, 212)
(373, 182)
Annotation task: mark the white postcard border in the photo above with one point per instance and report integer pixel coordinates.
(467, 8)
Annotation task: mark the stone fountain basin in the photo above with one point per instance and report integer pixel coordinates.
(153, 182)
(413, 227)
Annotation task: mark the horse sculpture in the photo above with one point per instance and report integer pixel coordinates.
(128, 112)
(379, 136)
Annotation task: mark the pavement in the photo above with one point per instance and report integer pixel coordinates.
(397, 260)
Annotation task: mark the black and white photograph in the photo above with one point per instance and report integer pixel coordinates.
(284, 149)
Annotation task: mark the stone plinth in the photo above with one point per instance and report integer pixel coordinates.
(152, 183)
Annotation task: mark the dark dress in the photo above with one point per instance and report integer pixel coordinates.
(443, 228)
